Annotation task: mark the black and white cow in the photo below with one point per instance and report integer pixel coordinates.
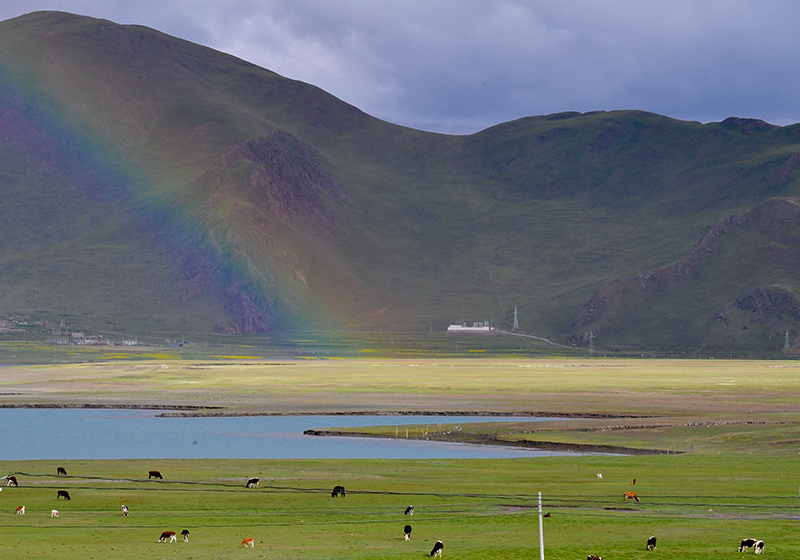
(437, 549)
(409, 510)
(759, 547)
(252, 483)
(12, 481)
(185, 535)
(747, 543)
(124, 510)
(651, 543)
(593, 557)
(337, 491)
(407, 532)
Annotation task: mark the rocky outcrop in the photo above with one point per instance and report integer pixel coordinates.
(772, 227)
(288, 179)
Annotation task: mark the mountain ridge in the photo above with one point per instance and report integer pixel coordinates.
(226, 198)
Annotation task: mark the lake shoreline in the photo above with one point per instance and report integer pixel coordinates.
(487, 439)
(210, 411)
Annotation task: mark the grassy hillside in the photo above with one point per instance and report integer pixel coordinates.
(201, 193)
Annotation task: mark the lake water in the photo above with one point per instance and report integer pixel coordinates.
(137, 434)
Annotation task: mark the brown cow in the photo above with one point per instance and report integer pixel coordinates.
(61, 470)
(155, 474)
(629, 496)
(248, 542)
(168, 536)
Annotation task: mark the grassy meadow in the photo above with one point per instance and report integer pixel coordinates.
(696, 505)
(730, 428)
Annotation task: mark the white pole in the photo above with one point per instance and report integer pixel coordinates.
(541, 534)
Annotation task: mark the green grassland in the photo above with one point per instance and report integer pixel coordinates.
(696, 505)
(729, 428)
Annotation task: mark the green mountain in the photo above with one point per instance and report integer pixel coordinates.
(153, 185)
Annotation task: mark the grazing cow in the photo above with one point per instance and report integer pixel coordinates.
(155, 474)
(61, 470)
(407, 532)
(759, 547)
(409, 510)
(599, 475)
(20, 510)
(629, 496)
(252, 483)
(124, 510)
(651, 543)
(12, 481)
(185, 535)
(593, 557)
(337, 491)
(437, 549)
(168, 536)
(62, 494)
(248, 542)
(53, 513)
(747, 543)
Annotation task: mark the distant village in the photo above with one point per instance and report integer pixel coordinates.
(60, 335)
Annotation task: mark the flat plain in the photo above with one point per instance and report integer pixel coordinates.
(724, 432)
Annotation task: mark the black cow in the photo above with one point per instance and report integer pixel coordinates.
(337, 491)
(155, 474)
(437, 549)
(407, 532)
(62, 494)
(409, 510)
(747, 543)
(185, 535)
(252, 483)
(61, 470)
(651, 543)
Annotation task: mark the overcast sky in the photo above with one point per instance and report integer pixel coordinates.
(458, 66)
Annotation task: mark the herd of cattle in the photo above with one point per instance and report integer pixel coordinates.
(171, 536)
(338, 491)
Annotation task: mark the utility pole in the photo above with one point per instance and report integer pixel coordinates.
(591, 343)
(541, 533)
(516, 320)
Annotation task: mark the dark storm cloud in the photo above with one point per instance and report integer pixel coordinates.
(462, 65)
